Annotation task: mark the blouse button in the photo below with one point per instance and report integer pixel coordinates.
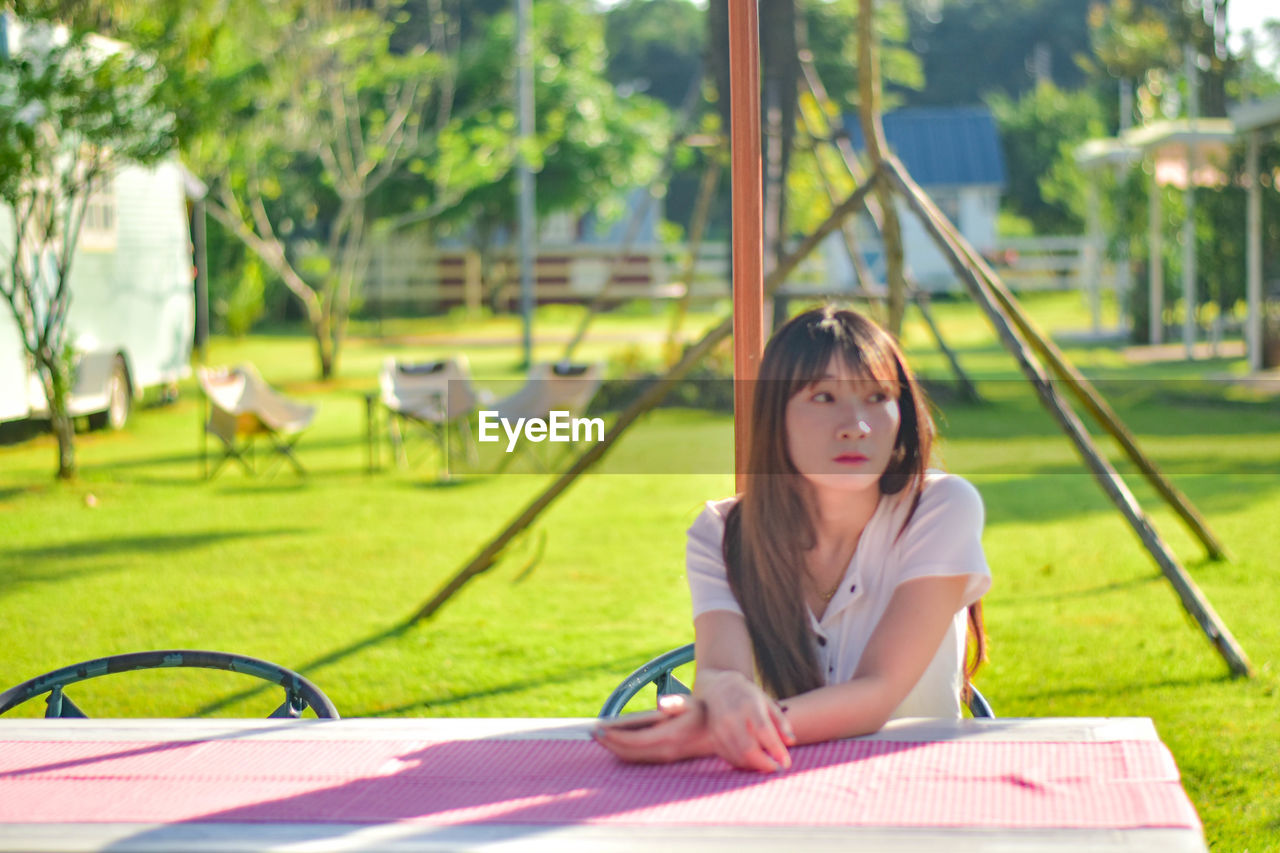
(853, 588)
(822, 641)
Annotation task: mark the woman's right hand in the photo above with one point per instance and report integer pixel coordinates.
(746, 727)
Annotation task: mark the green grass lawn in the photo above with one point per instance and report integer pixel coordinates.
(317, 573)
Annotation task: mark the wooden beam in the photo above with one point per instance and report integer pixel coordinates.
(748, 217)
(982, 287)
(489, 554)
(869, 96)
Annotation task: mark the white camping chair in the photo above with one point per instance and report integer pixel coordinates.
(432, 395)
(560, 387)
(240, 408)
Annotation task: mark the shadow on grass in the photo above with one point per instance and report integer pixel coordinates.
(48, 563)
(1090, 592)
(13, 492)
(1149, 408)
(262, 453)
(622, 666)
(309, 667)
(1024, 498)
(1108, 691)
(17, 432)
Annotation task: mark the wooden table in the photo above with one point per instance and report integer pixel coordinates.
(498, 785)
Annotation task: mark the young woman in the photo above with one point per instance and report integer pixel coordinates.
(831, 595)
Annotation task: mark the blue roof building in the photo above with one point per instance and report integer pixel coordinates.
(954, 154)
(942, 146)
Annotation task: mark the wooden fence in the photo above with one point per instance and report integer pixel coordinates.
(404, 276)
(410, 276)
(1051, 263)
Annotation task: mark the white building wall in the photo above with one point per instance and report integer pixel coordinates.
(972, 209)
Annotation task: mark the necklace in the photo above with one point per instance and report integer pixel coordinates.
(830, 594)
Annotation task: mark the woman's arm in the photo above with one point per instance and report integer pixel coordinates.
(904, 641)
(731, 716)
(745, 725)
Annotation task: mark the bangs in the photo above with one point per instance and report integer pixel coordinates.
(864, 352)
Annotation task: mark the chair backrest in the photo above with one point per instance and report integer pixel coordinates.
(299, 692)
(241, 402)
(659, 673)
(225, 388)
(277, 411)
(434, 391)
(553, 387)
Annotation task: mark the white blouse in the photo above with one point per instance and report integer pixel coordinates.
(943, 538)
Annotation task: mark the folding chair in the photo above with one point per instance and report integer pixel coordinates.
(240, 409)
(659, 672)
(299, 692)
(435, 396)
(558, 387)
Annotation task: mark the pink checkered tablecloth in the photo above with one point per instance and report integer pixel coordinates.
(988, 784)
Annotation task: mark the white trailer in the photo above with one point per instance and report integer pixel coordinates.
(131, 320)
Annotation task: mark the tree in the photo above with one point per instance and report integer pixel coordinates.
(590, 144)
(72, 108)
(655, 47)
(972, 48)
(1040, 132)
(324, 116)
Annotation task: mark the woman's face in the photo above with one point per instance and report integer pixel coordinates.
(841, 429)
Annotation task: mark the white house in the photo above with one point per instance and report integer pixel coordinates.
(954, 154)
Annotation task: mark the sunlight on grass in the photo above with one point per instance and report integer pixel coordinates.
(319, 573)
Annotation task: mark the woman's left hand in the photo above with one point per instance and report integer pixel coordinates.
(681, 733)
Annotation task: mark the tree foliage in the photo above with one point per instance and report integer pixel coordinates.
(590, 144)
(973, 48)
(655, 47)
(1040, 132)
(321, 117)
(72, 108)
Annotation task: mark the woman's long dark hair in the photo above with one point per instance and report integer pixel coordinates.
(769, 529)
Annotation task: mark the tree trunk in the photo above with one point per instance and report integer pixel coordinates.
(324, 344)
(55, 385)
(64, 430)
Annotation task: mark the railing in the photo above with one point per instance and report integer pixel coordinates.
(410, 276)
(1050, 263)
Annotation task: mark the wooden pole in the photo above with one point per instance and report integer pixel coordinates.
(983, 289)
(1253, 257)
(1155, 263)
(840, 140)
(861, 272)
(748, 218)
(877, 148)
(968, 390)
(697, 227)
(1093, 402)
(484, 560)
(526, 185)
(1190, 298)
(1093, 252)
